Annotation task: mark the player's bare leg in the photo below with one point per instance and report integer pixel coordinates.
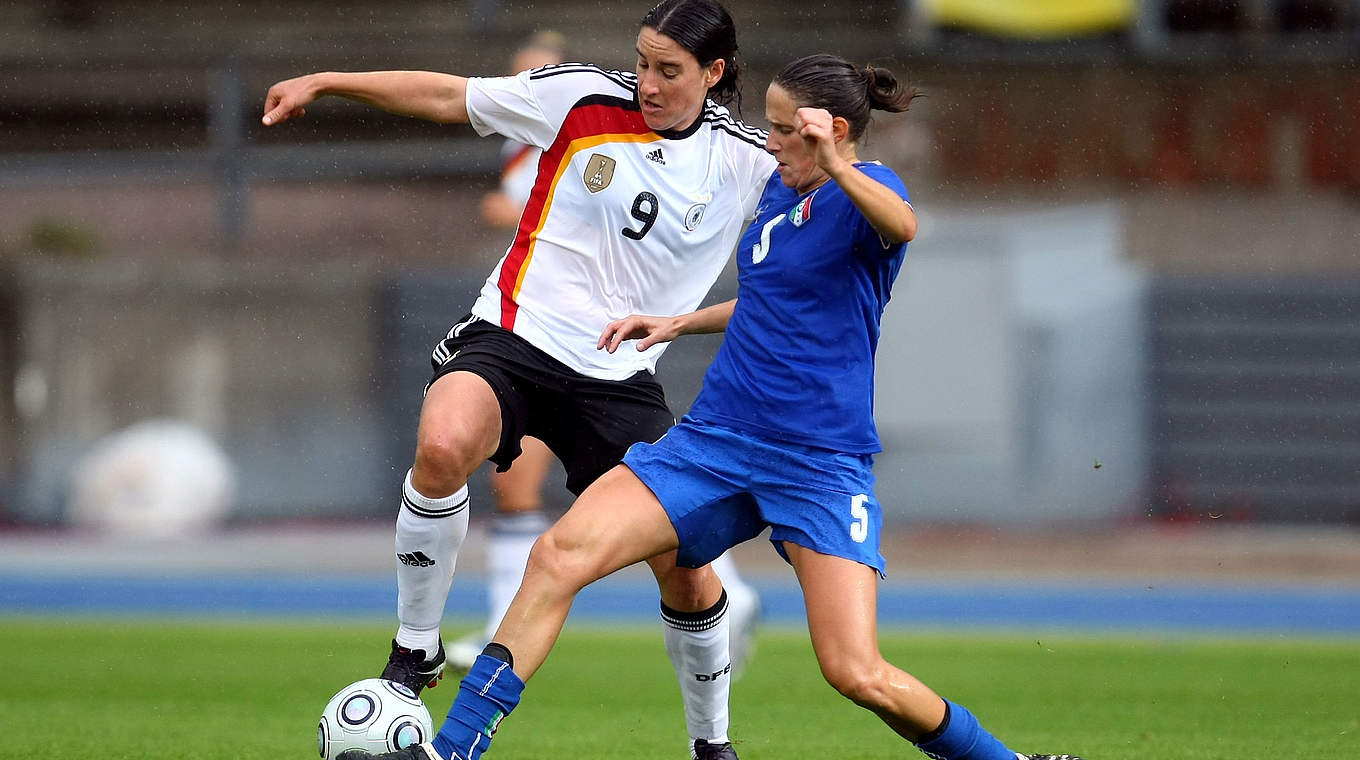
(615, 523)
(516, 523)
(460, 423)
(460, 427)
(841, 597)
(842, 608)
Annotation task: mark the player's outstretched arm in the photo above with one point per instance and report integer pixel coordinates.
(649, 330)
(425, 95)
(891, 217)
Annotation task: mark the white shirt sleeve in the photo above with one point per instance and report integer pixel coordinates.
(751, 165)
(531, 106)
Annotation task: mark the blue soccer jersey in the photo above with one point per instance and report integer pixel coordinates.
(797, 361)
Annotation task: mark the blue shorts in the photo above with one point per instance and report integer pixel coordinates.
(720, 488)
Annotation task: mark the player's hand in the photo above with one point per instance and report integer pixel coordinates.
(286, 99)
(814, 125)
(648, 331)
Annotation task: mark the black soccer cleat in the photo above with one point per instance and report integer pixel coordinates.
(1023, 756)
(410, 668)
(413, 752)
(702, 750)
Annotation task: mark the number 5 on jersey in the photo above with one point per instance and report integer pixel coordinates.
(859, 529)
(762, 249)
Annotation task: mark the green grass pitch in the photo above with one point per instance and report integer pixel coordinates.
(124, 689)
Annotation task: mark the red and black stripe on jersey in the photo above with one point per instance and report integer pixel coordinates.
(601, 117)
(595, 119)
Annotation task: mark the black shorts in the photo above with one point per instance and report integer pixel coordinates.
(588, 423)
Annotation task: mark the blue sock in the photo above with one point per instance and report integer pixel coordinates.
(961, 737)
(488, 694)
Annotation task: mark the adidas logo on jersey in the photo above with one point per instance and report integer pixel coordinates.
(416, 559)
(657, 157)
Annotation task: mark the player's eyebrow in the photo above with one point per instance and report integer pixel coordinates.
(660, 62)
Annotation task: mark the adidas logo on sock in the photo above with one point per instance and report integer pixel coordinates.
(415, 559)
(657, 157)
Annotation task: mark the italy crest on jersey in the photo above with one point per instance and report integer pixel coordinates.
(802, 212)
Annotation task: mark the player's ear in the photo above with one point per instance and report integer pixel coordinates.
(713, 73)
(840, 128)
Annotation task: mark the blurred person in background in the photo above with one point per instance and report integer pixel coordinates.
(518, 518)
(645, 184)
(502, 207)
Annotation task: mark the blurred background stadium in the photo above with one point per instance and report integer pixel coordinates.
(1134, 304)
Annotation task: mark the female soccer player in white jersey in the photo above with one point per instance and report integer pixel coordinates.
(781, 437)
(517, 517)
(642, 191)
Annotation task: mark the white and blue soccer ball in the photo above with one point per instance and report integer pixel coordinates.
(373, 715)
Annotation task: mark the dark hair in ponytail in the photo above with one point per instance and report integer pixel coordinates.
(844, 89)
(705, 29)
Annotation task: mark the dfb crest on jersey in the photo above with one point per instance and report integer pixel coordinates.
(599, 172)
(694, 216)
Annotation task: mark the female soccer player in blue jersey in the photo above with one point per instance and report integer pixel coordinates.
(782, 435)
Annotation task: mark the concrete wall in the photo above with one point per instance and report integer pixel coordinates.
(1011, 371)
(276, 364)
(1010, 361)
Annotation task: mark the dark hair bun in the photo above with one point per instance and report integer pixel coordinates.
(885, 92)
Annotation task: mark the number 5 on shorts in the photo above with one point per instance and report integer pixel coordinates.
(859, 529)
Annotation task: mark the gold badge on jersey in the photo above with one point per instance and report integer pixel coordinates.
(599, 172)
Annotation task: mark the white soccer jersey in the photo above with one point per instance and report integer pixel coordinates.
(622, 220)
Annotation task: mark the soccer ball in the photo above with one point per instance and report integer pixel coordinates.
(373, 715)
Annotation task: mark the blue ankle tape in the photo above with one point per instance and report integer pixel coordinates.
(488, 694)
(963, 738)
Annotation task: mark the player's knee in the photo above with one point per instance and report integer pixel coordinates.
(441, 465)
(858, 679)
(559, 560)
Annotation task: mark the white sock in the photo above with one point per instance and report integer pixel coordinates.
(429, 534)
(511, 537)
(697, 645)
